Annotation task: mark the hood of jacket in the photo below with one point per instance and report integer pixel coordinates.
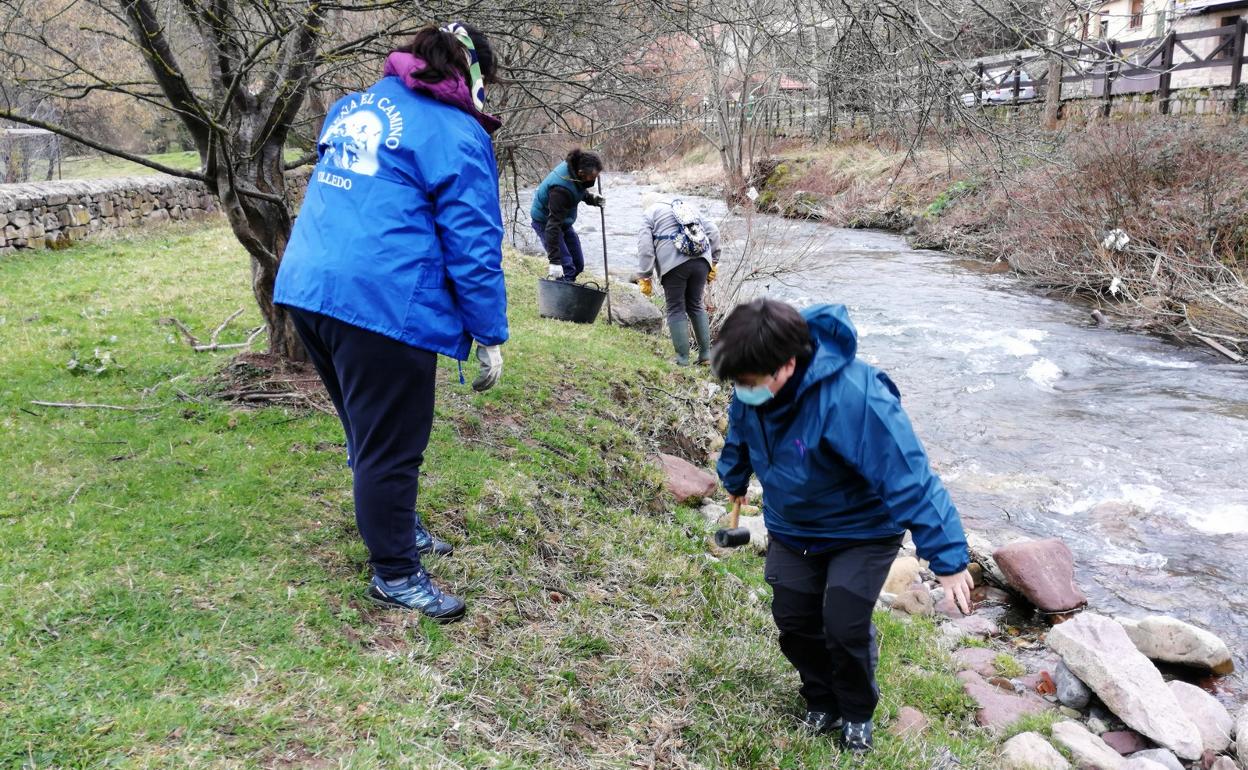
(453, 91)
(835, 341)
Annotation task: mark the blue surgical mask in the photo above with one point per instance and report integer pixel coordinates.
(753, 395)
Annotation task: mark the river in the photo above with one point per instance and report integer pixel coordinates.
(1132, 450)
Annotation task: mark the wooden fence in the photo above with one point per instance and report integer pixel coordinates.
(1106, 70)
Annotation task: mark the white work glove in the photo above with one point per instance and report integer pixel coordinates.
(554, 272)
(491, 359)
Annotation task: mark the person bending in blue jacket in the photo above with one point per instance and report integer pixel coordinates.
(843, 475)
(396, 257)
(555, 205)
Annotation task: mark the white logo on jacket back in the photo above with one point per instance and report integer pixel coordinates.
(351, 143)
(363, 126)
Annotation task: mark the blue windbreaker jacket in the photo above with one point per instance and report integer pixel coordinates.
(401, 230)
(842, 460)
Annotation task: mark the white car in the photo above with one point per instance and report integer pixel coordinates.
(999, 89)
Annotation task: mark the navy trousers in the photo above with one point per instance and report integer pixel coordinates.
(570, 254)
(383, 390)
(822, 605)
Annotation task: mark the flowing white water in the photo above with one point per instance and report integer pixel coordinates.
(1133, 451)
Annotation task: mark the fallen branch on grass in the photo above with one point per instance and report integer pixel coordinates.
(213, 344)
(60, 405)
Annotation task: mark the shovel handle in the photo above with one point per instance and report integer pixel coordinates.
(735, 517)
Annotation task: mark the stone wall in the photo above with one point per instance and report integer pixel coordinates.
(55, 214)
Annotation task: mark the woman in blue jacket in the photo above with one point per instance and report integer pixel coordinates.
(396, 257)
(554, 210)
(843, 477)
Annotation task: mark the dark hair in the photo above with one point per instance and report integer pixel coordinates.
(444, 58)
(582, 160)
(758, 338)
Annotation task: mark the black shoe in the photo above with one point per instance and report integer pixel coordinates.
(856, 737)
(821, 722)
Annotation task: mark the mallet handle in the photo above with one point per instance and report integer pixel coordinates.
(736, 515)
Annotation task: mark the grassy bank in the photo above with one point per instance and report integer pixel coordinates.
(1054, 208)
(182, 583)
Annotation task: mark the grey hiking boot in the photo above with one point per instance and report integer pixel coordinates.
(856, 737)
(821, 722)
(417, 592)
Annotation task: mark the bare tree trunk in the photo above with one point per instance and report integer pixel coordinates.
(1053, 96)
(261, 224)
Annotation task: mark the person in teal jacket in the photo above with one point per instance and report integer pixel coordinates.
(843, 477)
(396, 257)
(554, 209)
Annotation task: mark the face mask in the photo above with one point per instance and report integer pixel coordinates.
(755, 395)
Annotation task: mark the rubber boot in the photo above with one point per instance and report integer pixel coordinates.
(680, 339)
(702, 333)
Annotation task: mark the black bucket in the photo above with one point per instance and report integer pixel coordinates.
(566, 301)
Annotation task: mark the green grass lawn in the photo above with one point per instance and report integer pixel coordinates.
(107, 167)
(182, 583)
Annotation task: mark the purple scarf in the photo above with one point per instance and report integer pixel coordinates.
(453, 92)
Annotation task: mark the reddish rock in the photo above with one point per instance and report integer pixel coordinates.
(910, 722)
(685, 480)
(977, 625)
(977, 659)
(997, 708)
(1044, 572)
(1125, 741)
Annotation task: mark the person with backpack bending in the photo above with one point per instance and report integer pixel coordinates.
(554, 212)
(678, 243)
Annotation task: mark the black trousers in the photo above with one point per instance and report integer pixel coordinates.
(683, 287)
(822, 605)
(383, 390)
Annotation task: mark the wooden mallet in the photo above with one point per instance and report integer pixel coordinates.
(734, 536)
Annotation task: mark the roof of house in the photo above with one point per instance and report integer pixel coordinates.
(1199, 7)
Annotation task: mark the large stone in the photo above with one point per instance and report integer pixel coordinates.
(1224, 763)
(713, 512)
(758, 532)
(1161, 756)
(1241, 736)
(1142, 763)
(1099, 652)
(685, 480)
(1044, 572)
(902, 575)
(1210, 717)
(1030, 751)
(909, 723)
(1125, 742)
(997, 708)
(1089, 751)
(1070, 691)
(630, 308)
(917, 601)
(978, 659)
(977, 625)
(1173, 641)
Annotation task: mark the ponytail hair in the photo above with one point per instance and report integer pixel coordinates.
(582, 160)
(444, 58)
